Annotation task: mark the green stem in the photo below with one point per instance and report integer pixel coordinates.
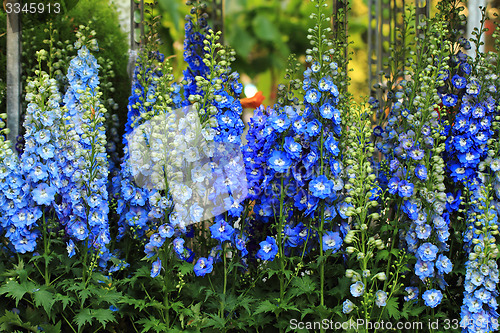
(280, 243)
(280, 250)
(321, 229)
(223, 300)
(166, 301)
(69, 324)
(46, 250)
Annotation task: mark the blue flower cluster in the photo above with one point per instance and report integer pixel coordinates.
(29, 184)
(84, 204)
(471, 128)
(471, 162)
(479, 309)
(134, 204)
(409, 140)
(292, 161)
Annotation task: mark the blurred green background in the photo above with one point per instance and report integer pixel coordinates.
(264, 33)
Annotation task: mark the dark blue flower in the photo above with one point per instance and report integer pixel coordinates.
(221, 231)
(313, 127)
(332, 145)
(156, 268)
(450, 100)
(421, 172)
(458, 81)
(332, 241)
(321, 187)
(292, 147)
(279, 161)
(268, 249)
(203, 266)
(405, 189)
(427, 252)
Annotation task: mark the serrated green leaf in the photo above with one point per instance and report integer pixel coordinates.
(17, 291)
(244, 302)
(64, 299)
(103, 316)
(11, 319)
(392, 307)
(83, 317)
(139, 304)
(51, 328)
(152, 323)
(44, 298)
(305, 312)
(303, 285)
(110, 296)
(84, 294)
(215, 321)
(382, 255)
(265, 306)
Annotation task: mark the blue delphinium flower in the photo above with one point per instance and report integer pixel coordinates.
(347, 306)
(279, 161)
(412, 293)
(203, 266)
(156, 268)
(312, 96)
(31, 182)
(222, 231)
(357, 289)
(320, 187)
(469, 156)
(427, 252)
(380, 298)
(432, 297)
(332, 241)
(411, 141)
(268, 249)
(88, 214)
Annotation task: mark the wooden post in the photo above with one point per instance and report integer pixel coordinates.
(13, 74)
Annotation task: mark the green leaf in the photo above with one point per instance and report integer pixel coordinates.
(215, 321)
(265, 29)
(83, 317)
(103, 316)
(10, 320)
(172, 8)
(392, 308)
(17, 291)
(84, 294)
(244, 302)
(185, 268)
(137, 303)
(152, 323)
(65, 300)
(265, 306)
(110, 296)
(52, 328)
(44, 298)
(382, 255)
(305, 312)
(241, 41)
(303, 285)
